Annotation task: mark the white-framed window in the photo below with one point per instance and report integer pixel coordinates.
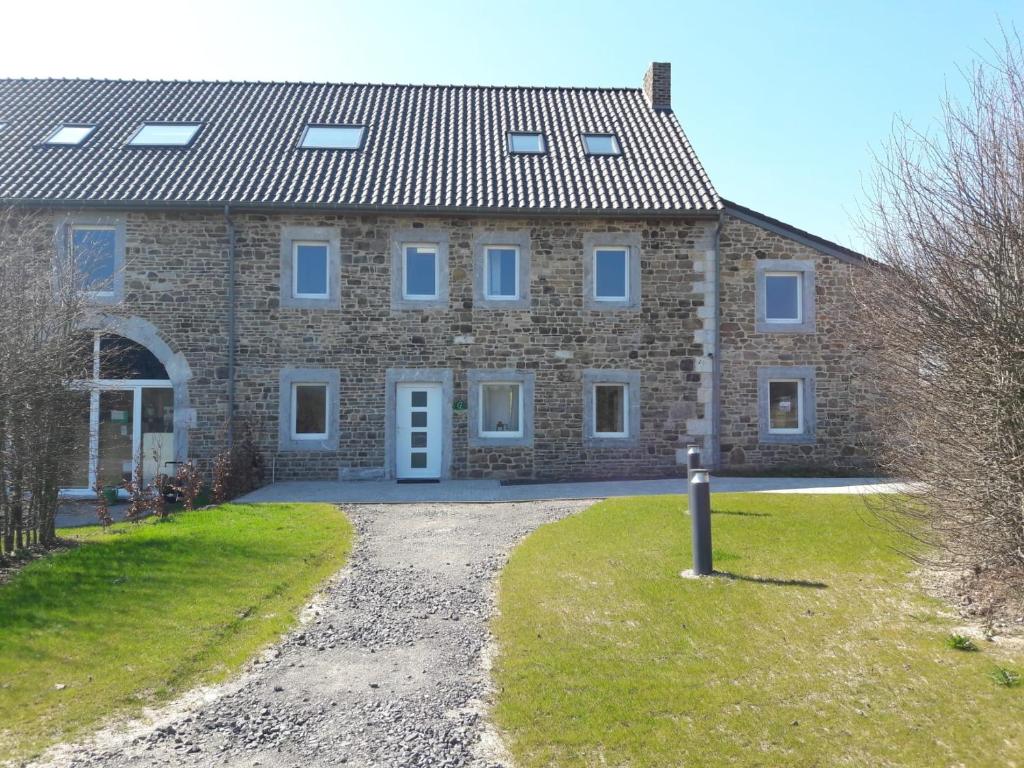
(783, 297)
(68, 135)
(311, 274)
(602, 144)
(611, 410)
(333, 137)
(501, 409)
(611, 273)
(501, 272)
(420, 272)
(94, 255)
(785, 407)
(527, 143)
(310, 409)
(165, 135)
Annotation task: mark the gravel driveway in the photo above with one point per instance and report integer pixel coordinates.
(390, 669)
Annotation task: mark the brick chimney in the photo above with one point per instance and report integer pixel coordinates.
(658, 85)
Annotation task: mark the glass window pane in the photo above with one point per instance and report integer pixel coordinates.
(502, 264)
(418, 419)
(418, 439)
(526, 142)
(122, 358)
(157, 432)
(311, 269)
(70, 135)
(610, 408)
(419, 399)
(75, 438)
(610, 273)
(782, 297)
(420, 271)
(784, 406)
(333, 137)
(418, 460)
(601, 145)
(115, 436)
(171, 135)
(311, 409)
(500, 407)
(93, 253)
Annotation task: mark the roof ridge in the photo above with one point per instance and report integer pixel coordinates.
(193, 81)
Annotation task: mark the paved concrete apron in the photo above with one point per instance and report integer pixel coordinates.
(390, 672)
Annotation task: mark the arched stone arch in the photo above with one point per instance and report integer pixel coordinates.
(178, 371)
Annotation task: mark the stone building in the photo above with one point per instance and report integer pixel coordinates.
(420, 282)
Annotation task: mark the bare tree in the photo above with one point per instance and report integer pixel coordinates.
(944, 317)
(41, 354)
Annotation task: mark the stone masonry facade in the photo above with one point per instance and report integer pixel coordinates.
(176, 281)
(842, 394)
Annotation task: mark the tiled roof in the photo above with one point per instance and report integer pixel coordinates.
(426, 147)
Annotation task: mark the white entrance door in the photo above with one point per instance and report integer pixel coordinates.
(418, 432)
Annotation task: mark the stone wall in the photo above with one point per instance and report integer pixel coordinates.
(176, 278)
(842, 440)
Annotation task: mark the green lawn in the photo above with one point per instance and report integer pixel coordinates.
(820, 652)
(140, 614)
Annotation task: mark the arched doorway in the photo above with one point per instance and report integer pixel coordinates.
(133, 407)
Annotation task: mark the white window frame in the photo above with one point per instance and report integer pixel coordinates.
(798, 430)
(111, 291)
(480, 425)
(487, 272)
(138, 140)
(799, 278)
(296, 435)
(625, 250)
(625, 410)
(433, 248)
(295, 269)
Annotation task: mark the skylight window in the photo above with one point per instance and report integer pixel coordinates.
(526, 143)
(165, 135)
(333, 137)
(602, 144)
(70, 135)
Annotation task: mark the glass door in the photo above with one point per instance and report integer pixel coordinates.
(116, 435)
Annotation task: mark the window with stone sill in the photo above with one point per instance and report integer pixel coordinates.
(311, 276)
(501, 409)
(611, 414)
(786, 411)
(419, 272)
(310, 408)
(784, 296)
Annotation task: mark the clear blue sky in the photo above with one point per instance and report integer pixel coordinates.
(782, 100)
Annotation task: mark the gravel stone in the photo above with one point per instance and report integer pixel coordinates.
(389, 667)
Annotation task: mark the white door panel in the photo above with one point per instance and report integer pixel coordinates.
(418, 431)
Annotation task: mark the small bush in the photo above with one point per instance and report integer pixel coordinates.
(960, 643)
(1007, 678)
(188, 484)
(102, 507)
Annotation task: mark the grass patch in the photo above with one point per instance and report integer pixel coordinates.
(816, 650)
(140, 614)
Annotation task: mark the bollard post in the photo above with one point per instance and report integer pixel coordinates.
(700, 519)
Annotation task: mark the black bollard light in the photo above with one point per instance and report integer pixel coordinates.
(700, 518)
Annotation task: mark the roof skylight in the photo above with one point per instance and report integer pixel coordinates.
(526, 143)
(165, 135)
(602, 144)
(333, 137)
(70, 135)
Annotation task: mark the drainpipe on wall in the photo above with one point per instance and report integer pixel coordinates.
(716, 360)
(231, 325)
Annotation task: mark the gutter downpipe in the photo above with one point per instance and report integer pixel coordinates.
(716, 361)
(231, 325)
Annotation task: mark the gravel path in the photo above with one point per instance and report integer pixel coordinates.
(389, 670)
